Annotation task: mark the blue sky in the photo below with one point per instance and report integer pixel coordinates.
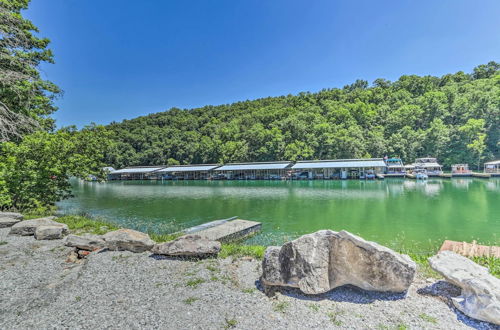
(119, 59)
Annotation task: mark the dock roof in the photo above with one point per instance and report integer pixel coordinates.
(254, 166)
(493, 162)
(143, 169)
(189, 168)
(309, 164)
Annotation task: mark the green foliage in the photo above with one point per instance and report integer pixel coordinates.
(237, 250)
(26, 99)
(80, 224)
(35, 172)
(195, 282)
(455, 117)
(281, 306)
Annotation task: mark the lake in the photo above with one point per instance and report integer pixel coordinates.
(398, 213)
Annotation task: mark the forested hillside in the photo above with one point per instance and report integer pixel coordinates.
(455, 118)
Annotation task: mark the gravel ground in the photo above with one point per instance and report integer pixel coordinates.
(38, 289)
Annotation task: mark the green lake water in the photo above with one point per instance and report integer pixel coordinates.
(396, 212)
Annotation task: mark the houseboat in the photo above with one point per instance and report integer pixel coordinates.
(430, 165)
(460, 170)
(395, 167)
(492, 168)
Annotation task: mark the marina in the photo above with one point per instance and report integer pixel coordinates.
(339, 169)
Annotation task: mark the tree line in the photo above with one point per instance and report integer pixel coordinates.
(455, 118)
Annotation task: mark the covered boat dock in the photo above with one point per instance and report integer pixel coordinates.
(135, 173)
(339, 169)
(187, 172)
(253, 171)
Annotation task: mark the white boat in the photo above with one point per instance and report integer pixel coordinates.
(420, 174)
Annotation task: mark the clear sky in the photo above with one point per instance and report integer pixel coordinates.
(119, 59)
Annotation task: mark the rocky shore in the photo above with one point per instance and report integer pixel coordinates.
(42, 289)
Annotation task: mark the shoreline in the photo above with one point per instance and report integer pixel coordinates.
(115, 289)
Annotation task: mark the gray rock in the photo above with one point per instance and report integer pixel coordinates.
(28, 227)
(51, 231)
(480, 298)
(128, 240)
(11, 215)
(8, 222)
(85, 242)
(188, 246)
(319, 262)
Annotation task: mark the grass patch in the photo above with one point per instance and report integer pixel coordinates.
(195, 282)
(428, 318)
(314, 307)
(190, 300)
(3, 242)
(79, 224)
(78, 298)
(334, 317)
(492, 263)
(281, 306)
(213, 269)
(238, 250)
(249, 290)
(230, 323)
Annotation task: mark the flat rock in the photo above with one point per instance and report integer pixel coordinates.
(480, 298)
(51, 231)
(128, 240)
(318, 262)
(8, 222)
(188, 246)
(28, 227)
(85, 242)
(11, 215)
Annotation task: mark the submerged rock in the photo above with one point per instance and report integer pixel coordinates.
(51, 231)
(480, 298)
(188, 246)
(128, 240)
(318, 262)
(85, 242)
(28, 227)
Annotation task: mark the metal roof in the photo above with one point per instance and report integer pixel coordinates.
(493, 162)
(189, 168)
(137, 170)
(427, 165)
(339, 163)
(254, 166)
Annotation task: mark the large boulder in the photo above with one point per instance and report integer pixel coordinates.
(8, 219)
(85, 242)
(188, 246)
(51, 231)
(28, 227)
(318, 262)
(8, 222)
(128, 240)
(480, 298)
(11, 215)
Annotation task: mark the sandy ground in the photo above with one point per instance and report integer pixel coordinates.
(112, 290)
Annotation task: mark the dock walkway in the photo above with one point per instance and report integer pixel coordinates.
(471, 249)
(229, 230)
